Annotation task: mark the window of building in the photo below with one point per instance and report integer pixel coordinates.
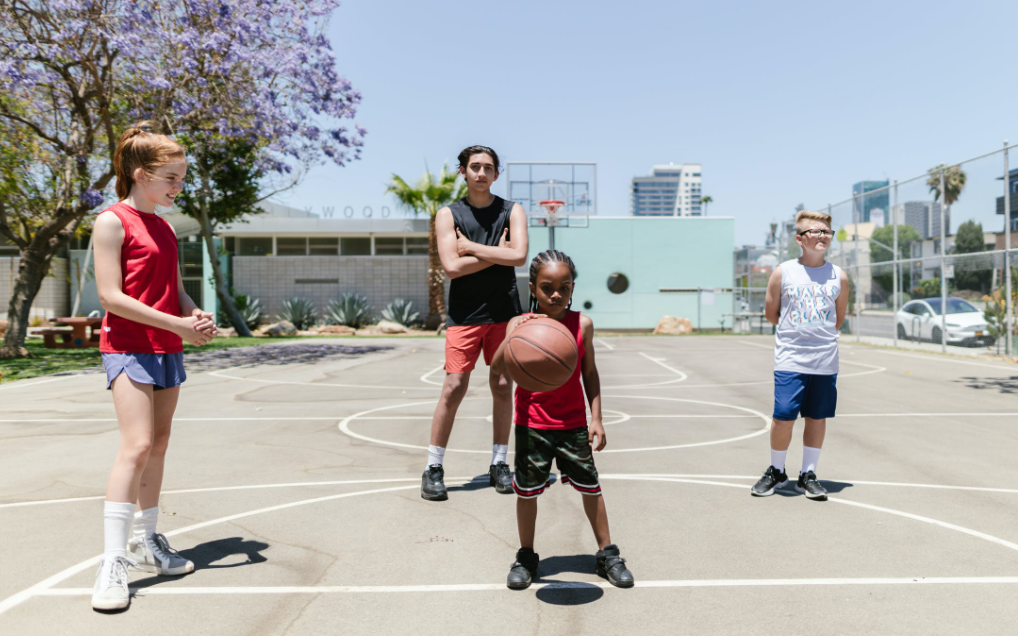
(323, 246)
(291, 246)
(359, 246)
(254, 246)
(388, 246)
(417, 245)
(189, 257)
(230, 245)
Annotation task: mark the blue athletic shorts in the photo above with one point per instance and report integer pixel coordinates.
(816, 396)
(161, 370)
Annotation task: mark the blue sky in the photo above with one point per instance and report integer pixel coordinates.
(782, 103)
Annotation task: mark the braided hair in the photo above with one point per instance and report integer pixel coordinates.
(542, 259)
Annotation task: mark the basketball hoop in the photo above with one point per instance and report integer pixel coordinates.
(552, 207)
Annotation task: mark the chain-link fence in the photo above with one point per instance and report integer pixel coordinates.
(930, 259)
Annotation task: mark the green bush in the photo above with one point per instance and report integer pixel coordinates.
(927, 288)
(401, 312)
(300, 312)
(250, 310)
(351, 310)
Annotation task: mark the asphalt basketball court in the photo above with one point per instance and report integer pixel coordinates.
(295, 490)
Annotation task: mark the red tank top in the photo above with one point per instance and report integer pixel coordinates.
(148, 266)
(565, 407)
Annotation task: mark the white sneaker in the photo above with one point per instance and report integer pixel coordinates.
(110, 591)
(154, 554)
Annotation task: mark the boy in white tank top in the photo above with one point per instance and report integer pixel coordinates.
(806, 302)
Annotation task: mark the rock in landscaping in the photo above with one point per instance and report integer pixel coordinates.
(335, 330)
(670, 325)
(281, 328)
(387, 326)
(3, 328)
(227, 332)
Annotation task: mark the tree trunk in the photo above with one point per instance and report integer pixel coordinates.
(436, 280)
(32, 270)
(222, 289)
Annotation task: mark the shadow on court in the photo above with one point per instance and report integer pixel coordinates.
(833, 488)
(567, 593)
(206, 556)
(479, 482)
(1001, 385)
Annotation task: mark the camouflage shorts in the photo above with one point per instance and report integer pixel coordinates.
(535, 450)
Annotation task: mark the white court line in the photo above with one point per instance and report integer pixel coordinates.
(604, 343)
(310, 484)
(424, 378)
(44, 586)
(660, 362)
(949, 360)
(344, 426)
(625, 418)
(18, 385)
(222, 374)
(926, 414)
(558, 585)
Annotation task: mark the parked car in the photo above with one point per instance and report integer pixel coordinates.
(922, 320)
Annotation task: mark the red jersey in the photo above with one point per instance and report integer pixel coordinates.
(565, 407)
(148, 268)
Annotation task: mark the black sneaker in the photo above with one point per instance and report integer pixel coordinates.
(501, 478)
(810, 486)
(433, 484)
(612, 566)
(523, 570)
(772, 478)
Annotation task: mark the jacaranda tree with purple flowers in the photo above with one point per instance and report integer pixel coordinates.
(59, 113)
(74, 73)
(251, 71)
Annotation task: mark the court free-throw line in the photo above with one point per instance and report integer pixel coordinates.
(558, 585)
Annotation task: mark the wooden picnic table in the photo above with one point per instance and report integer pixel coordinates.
(84, 333)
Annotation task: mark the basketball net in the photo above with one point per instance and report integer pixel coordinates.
(551, 208)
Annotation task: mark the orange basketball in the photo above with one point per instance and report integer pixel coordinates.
(541, 354)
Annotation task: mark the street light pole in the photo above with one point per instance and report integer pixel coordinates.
(894, 262)
(1007, 253)
(943, 261)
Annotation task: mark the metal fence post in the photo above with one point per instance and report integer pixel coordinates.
(1007, 254)
(894, 263)
(943, 261)
(858, 272)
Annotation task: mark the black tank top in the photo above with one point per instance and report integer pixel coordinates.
(488, 296)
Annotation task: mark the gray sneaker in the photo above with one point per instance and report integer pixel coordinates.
(154, 554)
(110, 591)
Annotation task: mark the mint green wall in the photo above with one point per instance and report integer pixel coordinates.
(653, 253)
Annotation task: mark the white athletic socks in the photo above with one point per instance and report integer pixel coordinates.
(145, 522)
(810, 456)
(499, 453)
(436, 455)
(117, 518)
(778, 458)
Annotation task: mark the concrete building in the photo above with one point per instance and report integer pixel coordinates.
(631, 271)
(924, 216)
(864, 205)
(670, 190)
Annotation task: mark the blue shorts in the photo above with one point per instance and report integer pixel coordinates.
(816, 396)
(161, 370)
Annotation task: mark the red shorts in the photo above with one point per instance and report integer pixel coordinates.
(463, 345)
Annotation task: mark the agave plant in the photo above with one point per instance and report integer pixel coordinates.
(299, 311)
(401, 312)
(351, 310)
(250, 310)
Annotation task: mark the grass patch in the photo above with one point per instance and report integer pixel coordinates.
(49, 361)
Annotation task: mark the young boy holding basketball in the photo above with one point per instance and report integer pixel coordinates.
(806, 300)
(552, 425)
(476, 251)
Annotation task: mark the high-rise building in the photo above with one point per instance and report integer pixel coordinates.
(864, 204)
(670, 190)
(924, 216)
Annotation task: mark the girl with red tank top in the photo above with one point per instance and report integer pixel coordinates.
(148, 316)
(552, 426)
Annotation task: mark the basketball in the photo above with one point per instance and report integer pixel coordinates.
(541, 354)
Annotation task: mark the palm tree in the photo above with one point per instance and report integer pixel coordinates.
(706, 200)
(429, 195)
(954, 183)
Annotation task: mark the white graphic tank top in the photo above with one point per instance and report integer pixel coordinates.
(806, 337)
